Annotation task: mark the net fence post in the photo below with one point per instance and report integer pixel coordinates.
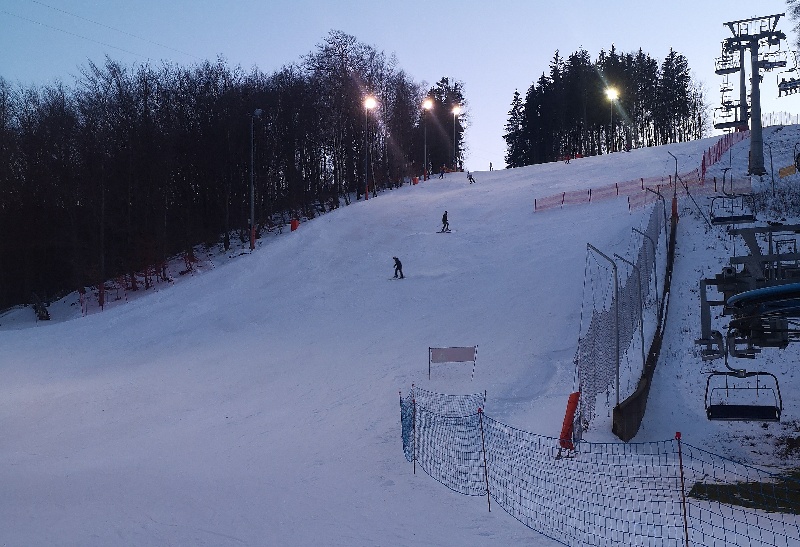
(485, 466)
(683, 490)
(413, 429)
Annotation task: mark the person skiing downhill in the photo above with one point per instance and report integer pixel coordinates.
(398, 267)
(445, 223)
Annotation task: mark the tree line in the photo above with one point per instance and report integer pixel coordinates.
(132, 165)
(569, 111)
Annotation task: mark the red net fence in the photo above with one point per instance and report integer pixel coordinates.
(643, 191)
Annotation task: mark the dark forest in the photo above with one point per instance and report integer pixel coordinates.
(130, 166)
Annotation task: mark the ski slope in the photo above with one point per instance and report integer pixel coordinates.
(255, 402)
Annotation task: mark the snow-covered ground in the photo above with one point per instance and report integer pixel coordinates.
(255, 402)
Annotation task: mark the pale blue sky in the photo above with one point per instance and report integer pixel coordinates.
(493, 47)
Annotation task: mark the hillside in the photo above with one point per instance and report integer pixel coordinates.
(256, 401)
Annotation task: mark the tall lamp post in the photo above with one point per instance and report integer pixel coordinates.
(256, 113)
(426, 105)
(369, 104)
(612, 94)
(456, 111)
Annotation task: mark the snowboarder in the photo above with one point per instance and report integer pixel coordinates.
(398, 267)
(469, 177)
(445, 223)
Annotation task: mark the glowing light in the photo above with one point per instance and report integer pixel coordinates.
(370, 103)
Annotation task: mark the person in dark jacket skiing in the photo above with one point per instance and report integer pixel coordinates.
(398, 267)
(445, 223)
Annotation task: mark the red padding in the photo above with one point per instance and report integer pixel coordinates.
(566, 430)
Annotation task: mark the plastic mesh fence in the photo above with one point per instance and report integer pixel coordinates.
(608, 494)
(434, 405)
(449, 405)
(448, 448)
(601, 495)
(730, 503)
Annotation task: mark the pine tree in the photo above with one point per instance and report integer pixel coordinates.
(515, 145)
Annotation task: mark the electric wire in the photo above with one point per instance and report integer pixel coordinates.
(114, 29)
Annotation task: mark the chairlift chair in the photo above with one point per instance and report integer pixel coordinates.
(732, 209)
(740, 395)
(788, 82)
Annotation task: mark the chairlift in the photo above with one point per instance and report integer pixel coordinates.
(740, 395)
(726, 116)
(770, 60)
(732, 209)
(726, 64)
(788, 81)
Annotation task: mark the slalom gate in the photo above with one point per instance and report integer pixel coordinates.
(664, 493)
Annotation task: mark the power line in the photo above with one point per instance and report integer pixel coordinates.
(115, 29)
(104, 26)
(72, 34)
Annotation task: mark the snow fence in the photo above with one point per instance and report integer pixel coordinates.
(664, 493)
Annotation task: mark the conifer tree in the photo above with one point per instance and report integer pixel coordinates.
(513, 135)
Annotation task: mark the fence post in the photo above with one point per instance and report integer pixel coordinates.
(485, 466)
(683, 490)
(414, 428)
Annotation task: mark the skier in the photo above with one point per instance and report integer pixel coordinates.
(398, 267)
(445, 223)
(441, 172)
(469, 177)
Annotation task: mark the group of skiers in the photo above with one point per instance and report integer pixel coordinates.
(398, 266)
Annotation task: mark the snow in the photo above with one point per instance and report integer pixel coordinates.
(255, 401)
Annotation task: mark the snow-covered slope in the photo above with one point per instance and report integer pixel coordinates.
(256, 402)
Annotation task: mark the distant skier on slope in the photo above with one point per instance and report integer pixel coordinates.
(445, 223)
(398, 267)
(470, 178)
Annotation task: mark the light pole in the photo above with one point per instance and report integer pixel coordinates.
(369, 104)
(456, 111)
(612, 94)
(426, 105)
(256, 113)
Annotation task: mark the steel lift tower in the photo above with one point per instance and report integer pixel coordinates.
(751, 34)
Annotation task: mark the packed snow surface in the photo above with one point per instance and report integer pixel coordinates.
(255, 401)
